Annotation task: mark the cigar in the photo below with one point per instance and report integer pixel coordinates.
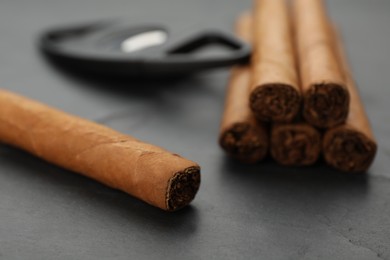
(295, 144)
(350, 147)
(325, 95)
(241, 136)
(274, 92)
(150, 173)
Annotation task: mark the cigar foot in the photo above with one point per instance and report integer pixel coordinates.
(182, 188)
(275, 102)
(326, 105)
(348, 150)
(295, 144)
(245, 142)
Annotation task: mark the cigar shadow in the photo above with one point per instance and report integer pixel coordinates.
(98, 198)
(317, 188)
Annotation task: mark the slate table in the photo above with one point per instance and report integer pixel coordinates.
(241, 212)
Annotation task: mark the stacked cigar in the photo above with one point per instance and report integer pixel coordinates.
(296, 99)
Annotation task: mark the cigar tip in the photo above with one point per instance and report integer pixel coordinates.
(245, 142)
(326, 104)
(182, 188)
(349, 150)
(295, 144)
(277, 102)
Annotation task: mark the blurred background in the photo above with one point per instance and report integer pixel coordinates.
(241, 212)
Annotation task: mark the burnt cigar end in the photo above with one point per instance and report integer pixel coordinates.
(349, 150)
(275, 102)
(295, 144)
(245, 142)
(182, 188)
(326, 104)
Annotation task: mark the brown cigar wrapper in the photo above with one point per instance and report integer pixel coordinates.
(350, 147)
(275, 94)
(326, 97)
(241, 136)
(295, 144)
(150, 173)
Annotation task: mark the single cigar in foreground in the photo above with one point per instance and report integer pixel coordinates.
(150, 173)
(275, 94)
(350, 147)
(241, 135)
(295, 144)
(326, 98)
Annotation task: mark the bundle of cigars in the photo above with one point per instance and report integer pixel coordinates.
(296, 100)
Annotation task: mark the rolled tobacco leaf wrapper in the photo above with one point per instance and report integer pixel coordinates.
(275, 94)
(326, 97)
(295, 144)
(241, 136)
(350, 147)
(150, 173)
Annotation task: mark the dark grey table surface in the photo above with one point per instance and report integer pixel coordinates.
(241, 212)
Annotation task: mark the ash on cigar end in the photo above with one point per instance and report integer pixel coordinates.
(182, 188)
(295, 145)
(276, 102)
(245, 142)
(326, 105)
(349, 150)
